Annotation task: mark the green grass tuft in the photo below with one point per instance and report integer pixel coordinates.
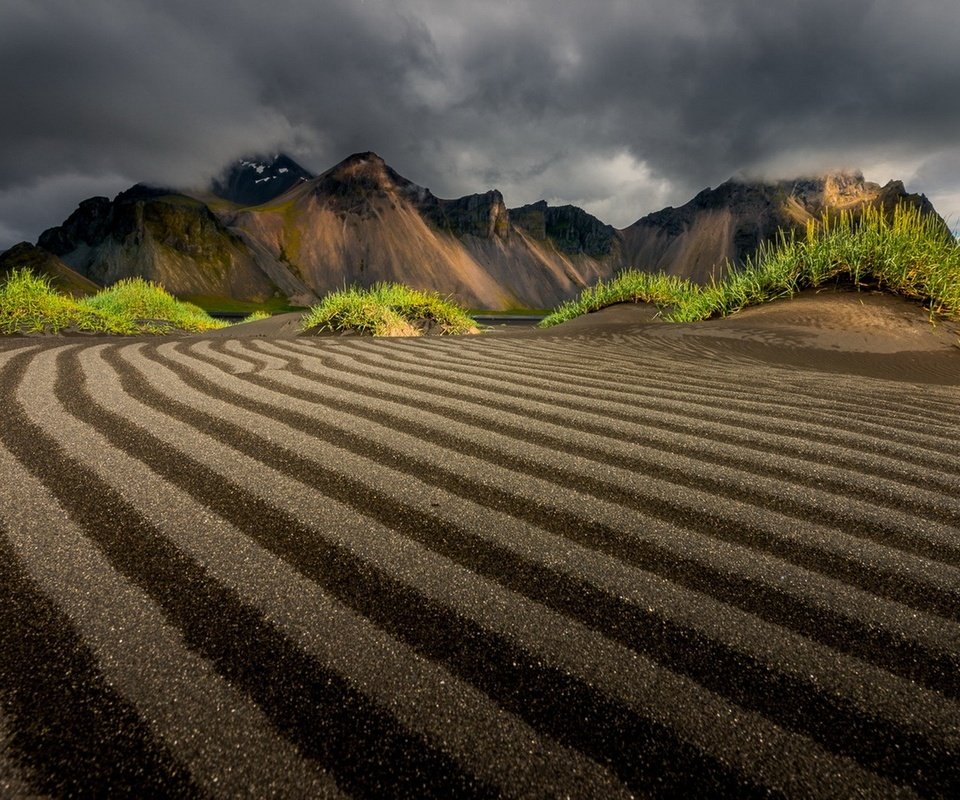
(388, 309)
(910, 255)
(151, 308)
(28, 304)
(630, 286)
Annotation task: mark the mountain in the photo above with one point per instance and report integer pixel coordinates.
(168, 237)
(254, 180)
(729, 222)
(43, 262)
(361, 222)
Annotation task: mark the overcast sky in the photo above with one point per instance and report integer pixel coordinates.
(619, 107)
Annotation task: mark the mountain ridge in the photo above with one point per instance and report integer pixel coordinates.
(726, 224)
(360, 221)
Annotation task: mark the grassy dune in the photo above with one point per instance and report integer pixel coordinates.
(388, 309)
(28, 304)
(910, 255)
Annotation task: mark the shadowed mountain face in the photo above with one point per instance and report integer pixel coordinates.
(257, 179)
(361, 222)
(571, 230)
(166, 237)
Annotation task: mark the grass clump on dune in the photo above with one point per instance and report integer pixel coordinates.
(630, 286)
(910, 254)
(28, 304)
(151, 308)
(387, 309)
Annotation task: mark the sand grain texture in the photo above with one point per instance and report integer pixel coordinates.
(614, 558)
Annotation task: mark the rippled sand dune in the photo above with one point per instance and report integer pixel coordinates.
(613, 558)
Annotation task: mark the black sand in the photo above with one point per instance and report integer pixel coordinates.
(615, 557)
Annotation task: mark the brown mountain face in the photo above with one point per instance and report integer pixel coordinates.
(728, 223)
(361, 222)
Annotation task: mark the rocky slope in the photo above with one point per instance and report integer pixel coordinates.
(361, 222)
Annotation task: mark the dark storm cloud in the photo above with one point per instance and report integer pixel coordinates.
(620, 106)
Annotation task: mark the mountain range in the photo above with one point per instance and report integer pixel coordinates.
(268, 228)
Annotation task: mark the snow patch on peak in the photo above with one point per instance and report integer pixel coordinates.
(258, 168)
(254, 178)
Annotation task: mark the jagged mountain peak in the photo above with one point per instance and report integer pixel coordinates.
(364, 180)
(806, 195)
(839, 181)
(362, 172)
(360, 160)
